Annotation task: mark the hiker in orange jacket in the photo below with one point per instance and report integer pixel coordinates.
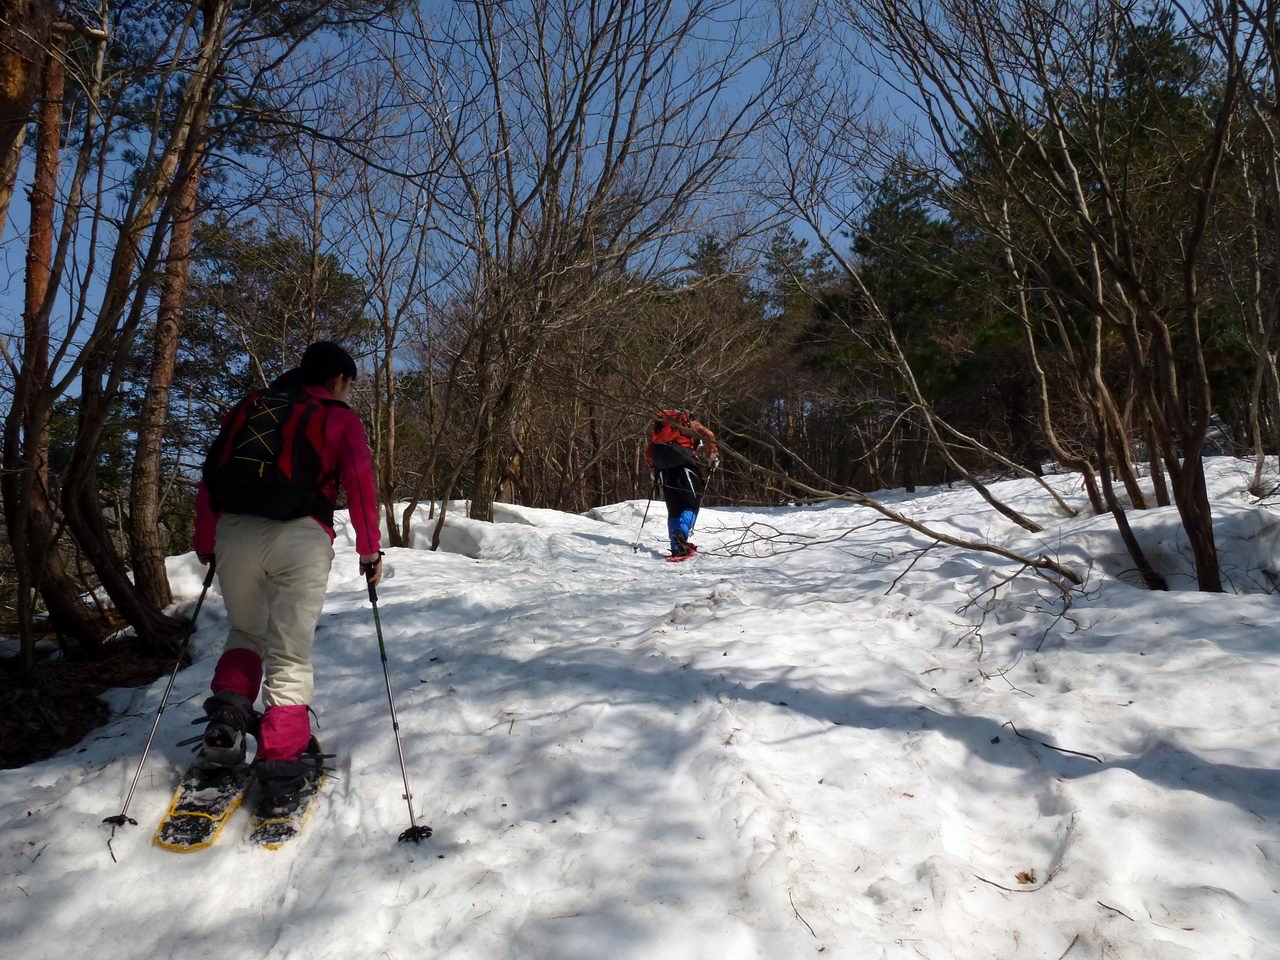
(677, 447)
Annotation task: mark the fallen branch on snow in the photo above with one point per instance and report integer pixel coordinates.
(1074, 753)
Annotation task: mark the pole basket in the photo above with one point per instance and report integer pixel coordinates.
(416, 834)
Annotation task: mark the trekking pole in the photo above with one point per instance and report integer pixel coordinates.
(711, 472)
(416, 832)
(635, 547)
(121, 818)
(702, 494)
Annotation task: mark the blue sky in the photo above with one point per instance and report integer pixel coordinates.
(12, 248)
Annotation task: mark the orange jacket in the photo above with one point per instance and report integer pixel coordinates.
(673, 426)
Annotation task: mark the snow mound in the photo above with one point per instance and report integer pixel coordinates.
(1247, 539)
(517, 533)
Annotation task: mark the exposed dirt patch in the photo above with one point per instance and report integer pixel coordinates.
(60, 704)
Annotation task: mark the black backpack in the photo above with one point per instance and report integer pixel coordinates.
(669, 455)
(267, 460)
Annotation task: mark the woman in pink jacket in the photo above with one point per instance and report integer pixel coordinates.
(265, 512)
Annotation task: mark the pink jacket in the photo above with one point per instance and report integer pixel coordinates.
(346, 458)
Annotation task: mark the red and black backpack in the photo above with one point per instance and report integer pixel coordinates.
(267, 460)
(663, 429)
(669, 446)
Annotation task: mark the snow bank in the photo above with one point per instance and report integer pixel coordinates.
(186, 575)
(517, 533)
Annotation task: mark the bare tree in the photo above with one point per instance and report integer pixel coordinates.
(145, 109)
(1020, 95)
(586, 140)
(389, 223)
(820, 146)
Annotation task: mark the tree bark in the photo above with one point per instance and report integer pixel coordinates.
(1157, 467)
(146, 547)
(1120, 448)
(387, 485)
(39, 268)
(1153, 580)
(29, 513)
(1192, 498)
(9, 176)
(26, 27)
(491, 447)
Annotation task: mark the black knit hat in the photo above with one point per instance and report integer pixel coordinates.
(324, 360)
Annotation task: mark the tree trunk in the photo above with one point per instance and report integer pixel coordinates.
(1192, 498)
(1121, 450)
(147, 550)
(446, 493)
(597, 445)
(44, 187)
(387, 485)
(1273, 397)
(29, 512)
(9, 176)
(81, 504)
(26, 28)
(68, 614)
(87, 523)
(103, 369)
(872, 460)
(912, 464)
(511, 484)
(487, 474)
(1149, 576)
(1157, 467)
(491, 449)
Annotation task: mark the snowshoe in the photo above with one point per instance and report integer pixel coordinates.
(202, 803)
(285, 793)
(684, 551)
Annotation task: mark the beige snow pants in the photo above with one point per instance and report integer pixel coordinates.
(273, 576)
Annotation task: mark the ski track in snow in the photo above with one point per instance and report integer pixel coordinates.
(766, 756)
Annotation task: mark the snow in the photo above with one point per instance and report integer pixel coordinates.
(769, 752)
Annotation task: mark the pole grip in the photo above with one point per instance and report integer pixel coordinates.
(368, 569)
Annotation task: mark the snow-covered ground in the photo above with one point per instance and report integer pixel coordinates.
(769, 752)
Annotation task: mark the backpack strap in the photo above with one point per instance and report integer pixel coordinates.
(283, 429)
(221, 450)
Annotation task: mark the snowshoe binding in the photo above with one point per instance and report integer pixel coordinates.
(228, 716)
(681, 549)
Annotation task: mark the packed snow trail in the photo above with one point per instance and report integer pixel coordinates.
(805, 752)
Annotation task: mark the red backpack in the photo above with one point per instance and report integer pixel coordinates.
(268, 461)
(664, 432)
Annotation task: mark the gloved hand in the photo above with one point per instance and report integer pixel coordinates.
(714, 463)
(371, 567)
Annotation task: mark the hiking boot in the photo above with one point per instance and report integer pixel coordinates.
(228, 717)
(286, 785)
(681, 547)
